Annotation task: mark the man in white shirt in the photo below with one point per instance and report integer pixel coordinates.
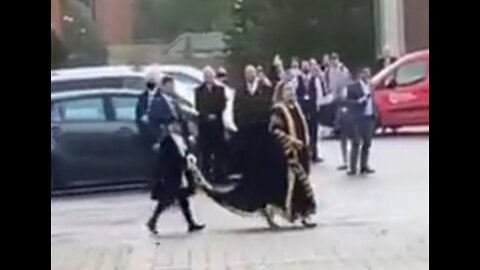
(362, 112)
(324, 97)
(337, 77)
(309, 93)
(295, 66)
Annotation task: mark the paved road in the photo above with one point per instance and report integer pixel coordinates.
(379, 222)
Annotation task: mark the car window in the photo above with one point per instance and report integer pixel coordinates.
(87, 109)
(124, 107)
(411, 73)
(185, 79)
(98, 83)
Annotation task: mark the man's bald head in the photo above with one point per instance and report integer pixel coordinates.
(250, 73)
(209, 74)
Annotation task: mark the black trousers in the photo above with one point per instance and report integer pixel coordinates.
(167, 201)
(361, 134)
(212, 147)
(311, 117)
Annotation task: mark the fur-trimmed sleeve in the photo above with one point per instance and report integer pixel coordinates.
(279, 128)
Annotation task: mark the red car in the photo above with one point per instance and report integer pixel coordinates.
(402, 92)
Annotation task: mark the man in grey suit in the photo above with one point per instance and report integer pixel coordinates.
(362, 113)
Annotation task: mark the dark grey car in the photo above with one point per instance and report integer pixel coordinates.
(95, 140)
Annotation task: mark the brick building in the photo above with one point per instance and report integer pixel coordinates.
(402, 24)
(115, 20)
(416, 24)
(56, 16)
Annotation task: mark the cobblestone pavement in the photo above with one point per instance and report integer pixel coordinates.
(379, 222)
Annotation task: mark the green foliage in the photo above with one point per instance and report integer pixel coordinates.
(166, 19)
(305, 28)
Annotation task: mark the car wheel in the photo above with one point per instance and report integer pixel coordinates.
(378, 126)
(394, 129)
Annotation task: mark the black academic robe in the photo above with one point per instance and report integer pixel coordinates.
(258, 167)
(251, 115)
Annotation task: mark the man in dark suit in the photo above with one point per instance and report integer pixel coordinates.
(252, 111)
(143, 108)
(172, 181)
(210, 101)
(362, 117)
(253, 101)
(309, 90)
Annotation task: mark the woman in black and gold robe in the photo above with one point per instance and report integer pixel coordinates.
(269, 177)
(289, 126)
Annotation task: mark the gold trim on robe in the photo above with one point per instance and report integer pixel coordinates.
(291, 143)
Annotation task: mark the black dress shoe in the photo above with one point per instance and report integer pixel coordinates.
(342, 168)
(308, 224)
(351, 173)
(195, 228)
(317, 160)
(151, 227)
(367, 171)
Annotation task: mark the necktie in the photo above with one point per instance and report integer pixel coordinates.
(151, 96)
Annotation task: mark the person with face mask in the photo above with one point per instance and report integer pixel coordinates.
(146, 129)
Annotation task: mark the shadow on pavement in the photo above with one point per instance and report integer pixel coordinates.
(399, 135)
(171, 236)
(99, 192)
(262, 230)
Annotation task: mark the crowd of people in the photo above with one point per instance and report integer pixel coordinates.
(264, 167)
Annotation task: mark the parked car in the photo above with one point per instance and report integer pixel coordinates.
(132, 77)
(95, 140)
(402, 92)
(118, 77)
